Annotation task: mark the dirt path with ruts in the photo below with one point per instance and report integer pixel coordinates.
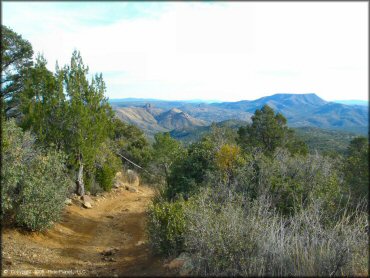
(107, 240)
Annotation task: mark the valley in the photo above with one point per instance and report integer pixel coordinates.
(188, 120)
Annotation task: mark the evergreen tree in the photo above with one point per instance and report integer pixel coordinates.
(166, 151)
(131, 142)
(269, 131)
(356, 168)
(42, 104)
(16, 59)
(88, 117)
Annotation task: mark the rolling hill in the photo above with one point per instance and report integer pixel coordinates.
(317, 139)
(140, 117)
(153, 120)
(177, 119)
(309, 110)
(301, 110)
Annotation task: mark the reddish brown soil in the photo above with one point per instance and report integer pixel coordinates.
(73, 246)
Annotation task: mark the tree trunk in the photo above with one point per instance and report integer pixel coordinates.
(80, 182)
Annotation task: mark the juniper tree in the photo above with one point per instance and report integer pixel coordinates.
(269, 131)
(356, 168)
(42, 104)
(16, 59)
(88, 117)
(166, 150)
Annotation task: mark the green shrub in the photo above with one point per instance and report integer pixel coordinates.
(16, 149)
(43, 194)
(356, 168)
(105, 176)
(166, 225)
(34, 183)
(131, 142)
(189, 172)
(108, 165)
(292, 182)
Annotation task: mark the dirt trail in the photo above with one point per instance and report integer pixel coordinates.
(74, 246)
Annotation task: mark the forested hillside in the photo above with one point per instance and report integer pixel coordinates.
(247, 196)
(325, 141)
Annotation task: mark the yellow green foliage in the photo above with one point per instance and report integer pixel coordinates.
(228, 158)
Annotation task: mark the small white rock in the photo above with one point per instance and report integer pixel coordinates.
(87, 205)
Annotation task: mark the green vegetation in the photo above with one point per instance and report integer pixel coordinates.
(356, 168)
(69, 133)
(16, 59)
(268, 132)
(166, 227)
(327, 142)
(255, 202)
(188, 136)
(130, 141)
(324, 141)
(34, 181)
(107, 164)
(245, 199)
(67, 111)
(165, 151)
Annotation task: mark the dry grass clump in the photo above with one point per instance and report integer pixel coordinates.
(252, 239)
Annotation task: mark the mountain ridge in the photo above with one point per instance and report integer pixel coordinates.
(301, 110)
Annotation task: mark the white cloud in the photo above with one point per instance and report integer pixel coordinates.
(228, 51)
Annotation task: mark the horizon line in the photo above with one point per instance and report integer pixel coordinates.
(219, 100)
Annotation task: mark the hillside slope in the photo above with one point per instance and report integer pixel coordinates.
(317, 139)
(177, 119)
(309, 110)
(153, 120)
(142, 118)
(301, 110)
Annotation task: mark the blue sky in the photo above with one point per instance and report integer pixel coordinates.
(204, 50)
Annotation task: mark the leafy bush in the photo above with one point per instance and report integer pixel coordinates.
(35, 183)
(189, 172)
(16, 150)
(105, 176)
(44, 191)
(166, 225)
(108, 165)
(130, 141)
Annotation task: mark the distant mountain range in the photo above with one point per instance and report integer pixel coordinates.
(353, 102)
(301, 110)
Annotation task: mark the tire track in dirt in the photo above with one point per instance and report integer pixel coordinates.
(74, 246)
